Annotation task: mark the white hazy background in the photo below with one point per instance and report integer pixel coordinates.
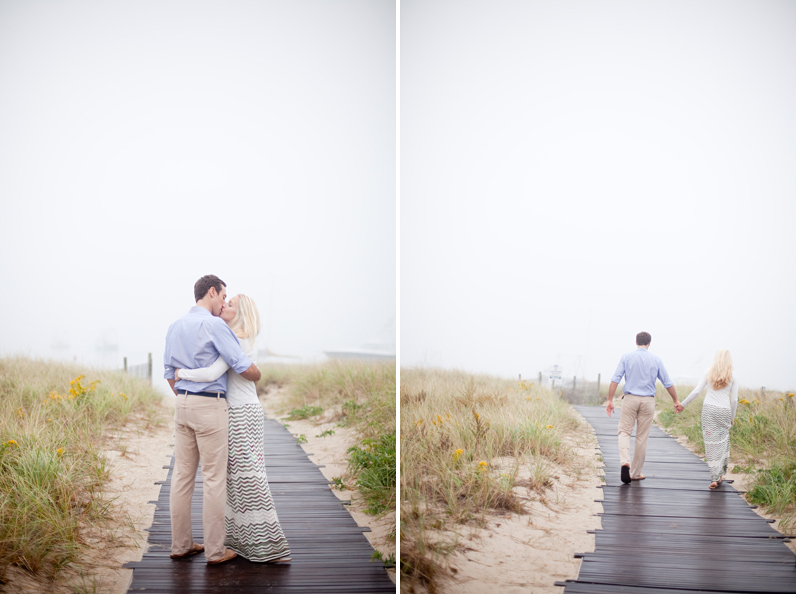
(144, 144)
(575, 172)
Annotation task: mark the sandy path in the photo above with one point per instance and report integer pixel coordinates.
(136, 469)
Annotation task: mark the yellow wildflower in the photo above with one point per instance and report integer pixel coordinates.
(482, 465)
(439, 419)
(457, 454)
(20, 412)
(790, 394)
(548, 426)
(11, 442)
(60, 452)
(418, 423)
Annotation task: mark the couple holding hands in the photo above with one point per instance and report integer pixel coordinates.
(209, 364)
(641, 369)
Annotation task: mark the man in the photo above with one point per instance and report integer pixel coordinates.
(640, 370)
(200, 418)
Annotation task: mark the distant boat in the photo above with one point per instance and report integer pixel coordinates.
(369, 351)
(107, 342)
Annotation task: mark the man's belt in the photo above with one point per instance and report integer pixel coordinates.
(210, 394)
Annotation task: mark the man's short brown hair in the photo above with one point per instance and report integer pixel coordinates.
(203, 285)
(643, 338)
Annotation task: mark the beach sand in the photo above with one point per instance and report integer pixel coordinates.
(529, 552)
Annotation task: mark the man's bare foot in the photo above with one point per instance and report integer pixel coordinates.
(229, 555)
(196, 548)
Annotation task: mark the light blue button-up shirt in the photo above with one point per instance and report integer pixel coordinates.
(641, 368)
(197, 339)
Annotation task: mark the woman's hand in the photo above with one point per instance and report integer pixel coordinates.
(177, 373)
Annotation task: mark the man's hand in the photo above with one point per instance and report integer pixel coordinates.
(609, 408)
(252, 374)
(678, 408)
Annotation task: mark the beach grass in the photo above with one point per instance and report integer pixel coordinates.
(762, 444)
(471, 445)
(54, 420)
(356, 394)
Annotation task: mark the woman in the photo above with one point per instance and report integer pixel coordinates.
(718, 413)
(252, 527)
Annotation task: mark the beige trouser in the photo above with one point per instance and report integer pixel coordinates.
(201, 433)
(639, 411)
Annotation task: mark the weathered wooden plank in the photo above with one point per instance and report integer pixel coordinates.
(670, 534)
(329, 550)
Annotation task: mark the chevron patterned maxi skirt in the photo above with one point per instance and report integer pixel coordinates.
(253, 530)
(716, 423)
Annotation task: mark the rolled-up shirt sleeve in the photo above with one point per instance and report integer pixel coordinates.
(620, 371)
(228, 347)
(663, 375)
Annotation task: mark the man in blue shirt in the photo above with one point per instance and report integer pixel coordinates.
(640, 369)
(200, 419)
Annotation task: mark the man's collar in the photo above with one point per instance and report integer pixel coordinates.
(199, 309)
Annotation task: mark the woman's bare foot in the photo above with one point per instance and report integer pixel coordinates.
(714, 484)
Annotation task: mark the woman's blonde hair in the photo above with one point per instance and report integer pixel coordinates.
(720, 374)
(246, 323)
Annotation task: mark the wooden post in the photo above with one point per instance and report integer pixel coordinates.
(125, 364)
(554, 384)
(520, 376)
(540, 378)
(149, 367)
(574, 379)
(598, 385)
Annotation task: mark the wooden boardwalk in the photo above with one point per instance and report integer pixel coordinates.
(670, 534)
(329, 550)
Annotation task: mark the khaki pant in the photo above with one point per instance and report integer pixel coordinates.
(639, 411)
(201, 433)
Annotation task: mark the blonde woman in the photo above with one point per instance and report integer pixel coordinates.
(718, 413)
(252, 527)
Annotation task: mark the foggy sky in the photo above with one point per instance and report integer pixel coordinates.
(573, 173)
(145, 144)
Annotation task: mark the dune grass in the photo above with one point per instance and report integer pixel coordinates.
(53, 423)
(762, 444)
(356, 394)
(470, 445)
